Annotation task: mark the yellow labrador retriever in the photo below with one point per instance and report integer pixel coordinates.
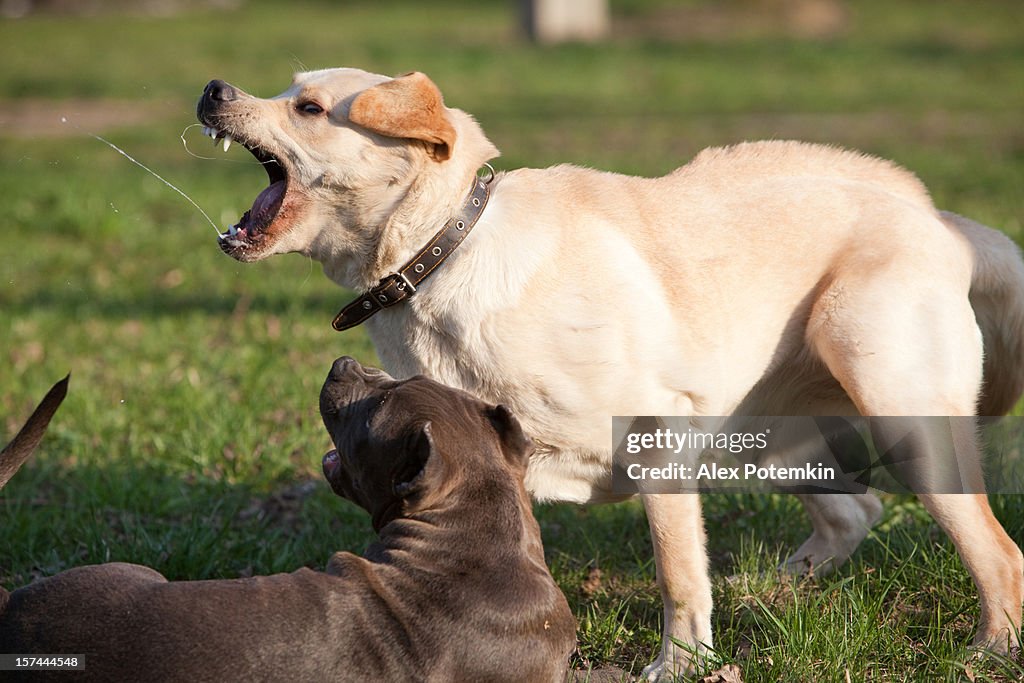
(772, 278)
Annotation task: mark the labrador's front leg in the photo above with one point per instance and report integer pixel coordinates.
(677, 531)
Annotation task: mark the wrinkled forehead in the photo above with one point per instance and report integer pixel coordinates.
(428, 400)
(336, 84)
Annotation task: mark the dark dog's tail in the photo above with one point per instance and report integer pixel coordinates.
(21, 446)
(24, 443)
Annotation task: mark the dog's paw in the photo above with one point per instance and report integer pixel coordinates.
(1004, 641)
(679, 663)
(657, 672)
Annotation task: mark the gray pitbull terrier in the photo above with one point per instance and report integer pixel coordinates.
(455, 589)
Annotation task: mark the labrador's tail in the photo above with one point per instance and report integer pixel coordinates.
(997, 296)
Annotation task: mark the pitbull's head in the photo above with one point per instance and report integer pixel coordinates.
(403, 446)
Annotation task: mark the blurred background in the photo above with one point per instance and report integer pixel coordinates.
(190, 439)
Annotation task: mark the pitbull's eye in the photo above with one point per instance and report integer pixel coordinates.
(373, 411)
(311, 108)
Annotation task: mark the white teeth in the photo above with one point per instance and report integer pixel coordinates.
(215, 135)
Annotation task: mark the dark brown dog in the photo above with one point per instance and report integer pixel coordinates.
(456, 589)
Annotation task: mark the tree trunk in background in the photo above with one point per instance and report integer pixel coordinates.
(559, 21)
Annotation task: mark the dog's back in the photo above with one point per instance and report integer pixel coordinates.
(733, 163)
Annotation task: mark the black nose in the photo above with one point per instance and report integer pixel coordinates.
(215, 94)
(343, 366)
(219, 91)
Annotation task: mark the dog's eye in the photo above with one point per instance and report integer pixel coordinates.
(376, 408)
(311, 108)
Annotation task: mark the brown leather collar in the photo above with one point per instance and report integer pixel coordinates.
(397, 287)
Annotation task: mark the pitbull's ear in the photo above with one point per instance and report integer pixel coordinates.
(518, 446)
(409, 106)
(409, 477)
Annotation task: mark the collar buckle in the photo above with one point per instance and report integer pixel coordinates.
(405, 283)
(397, 286)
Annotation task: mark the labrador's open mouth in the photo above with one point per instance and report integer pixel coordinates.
(252, 229)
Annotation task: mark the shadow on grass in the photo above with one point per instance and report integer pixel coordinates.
(154, 303)
(58, 515)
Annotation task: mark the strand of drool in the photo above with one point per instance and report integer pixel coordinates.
(151, 172)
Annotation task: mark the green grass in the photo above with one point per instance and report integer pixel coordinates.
(190, 440)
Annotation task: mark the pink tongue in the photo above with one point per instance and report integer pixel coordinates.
(268, 201)
(331, 461)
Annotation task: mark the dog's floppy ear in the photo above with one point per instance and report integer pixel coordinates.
(409, 106)
(410, 475)
(517, 445)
